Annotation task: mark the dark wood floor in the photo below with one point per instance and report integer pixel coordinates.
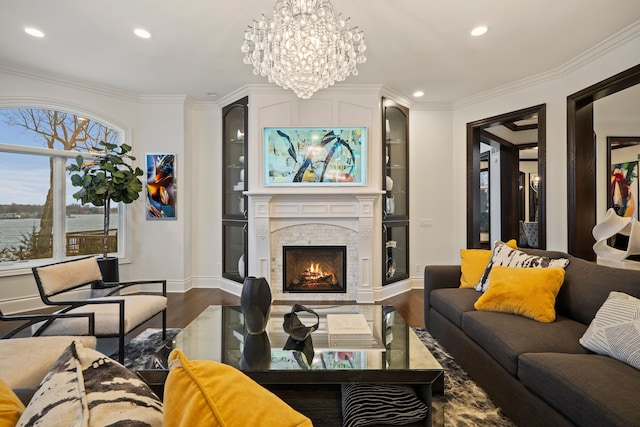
(184, 307)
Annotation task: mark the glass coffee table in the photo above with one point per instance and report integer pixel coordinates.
(393, 354)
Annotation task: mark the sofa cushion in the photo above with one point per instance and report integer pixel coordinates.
(587, 286)
(615, 331)
(452, 303)
(10, 406)
(209, 393)
(473, 263)
(38, 353)
(137, 309)
(86, 388)
(589, 389)
(506, 336)
(509, 257)
(529, 292)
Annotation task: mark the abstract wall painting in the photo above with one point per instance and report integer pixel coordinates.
(315, 156)
(161, 186)
(624, 189)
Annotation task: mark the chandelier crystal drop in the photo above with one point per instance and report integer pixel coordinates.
(304, 47)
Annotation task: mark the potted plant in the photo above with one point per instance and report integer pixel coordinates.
(108, 177)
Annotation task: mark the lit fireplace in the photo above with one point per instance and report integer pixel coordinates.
(314, 268)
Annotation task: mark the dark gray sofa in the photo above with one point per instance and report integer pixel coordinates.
(538, 373)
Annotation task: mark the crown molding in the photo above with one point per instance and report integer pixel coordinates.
(164, 99)
(58, 79)
(609, 44)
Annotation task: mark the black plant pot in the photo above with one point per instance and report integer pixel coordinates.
(110, 273)
(109, 269)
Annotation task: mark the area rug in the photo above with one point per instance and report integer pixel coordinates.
(140, 349)
(464, 403)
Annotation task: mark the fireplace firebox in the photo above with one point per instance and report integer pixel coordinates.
(314, 268)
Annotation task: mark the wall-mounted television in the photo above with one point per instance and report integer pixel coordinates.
(315, 155)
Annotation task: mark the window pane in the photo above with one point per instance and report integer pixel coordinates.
(84, 224)
(25, 224)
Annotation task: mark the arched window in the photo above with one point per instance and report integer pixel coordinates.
(39, 218)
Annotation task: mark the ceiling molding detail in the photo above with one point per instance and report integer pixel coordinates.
(600, 49)
(48, 77)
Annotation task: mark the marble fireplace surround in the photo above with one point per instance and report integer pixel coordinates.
(315, 217)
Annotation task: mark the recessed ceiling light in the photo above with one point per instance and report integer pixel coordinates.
(478, 31)
(418, 93)
(212, 94)
(34, 32)
(142, 33)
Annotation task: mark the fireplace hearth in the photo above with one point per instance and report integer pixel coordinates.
(314, 268)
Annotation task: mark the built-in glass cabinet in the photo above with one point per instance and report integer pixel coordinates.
(234, 184)
(395, 184)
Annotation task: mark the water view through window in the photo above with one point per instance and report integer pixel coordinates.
(35, 148)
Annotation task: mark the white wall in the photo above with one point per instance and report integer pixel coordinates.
(432, 196)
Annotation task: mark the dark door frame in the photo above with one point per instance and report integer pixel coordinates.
(509, 183)
(581, 160)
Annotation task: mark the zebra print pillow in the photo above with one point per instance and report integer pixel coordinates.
(375, 404)
(506, 256)
(86, 388)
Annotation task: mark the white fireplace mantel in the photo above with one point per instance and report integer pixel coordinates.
(315, 207)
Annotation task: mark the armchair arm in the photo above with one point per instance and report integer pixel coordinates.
(436, 277)
(32, 319)
(117, 286)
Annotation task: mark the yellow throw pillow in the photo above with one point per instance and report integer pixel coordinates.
(10, 406)
(208, 393)
(529, 292)
(473, 263)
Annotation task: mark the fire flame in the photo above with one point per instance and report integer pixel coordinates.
(314, 272)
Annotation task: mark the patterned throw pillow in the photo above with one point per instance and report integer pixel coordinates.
(509, 257)
(86, 388)
(375, 404)
(473, 263)
(615, 329)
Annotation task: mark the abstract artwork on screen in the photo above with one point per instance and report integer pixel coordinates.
(315, 156)
(161, 186)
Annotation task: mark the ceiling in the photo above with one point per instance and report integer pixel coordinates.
(412, 44)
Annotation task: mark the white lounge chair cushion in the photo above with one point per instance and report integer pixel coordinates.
(25, 361)
(66, 275)
(137, 309)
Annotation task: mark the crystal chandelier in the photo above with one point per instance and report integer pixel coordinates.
(304, 47)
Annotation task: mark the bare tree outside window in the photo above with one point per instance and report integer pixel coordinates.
(55, 130)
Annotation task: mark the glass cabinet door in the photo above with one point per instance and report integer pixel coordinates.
(395, 186)
(396, 251)
(234, 253)
(395, 182)
(234, 183)
(234, 122)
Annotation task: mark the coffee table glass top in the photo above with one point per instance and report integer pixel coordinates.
(393, 352)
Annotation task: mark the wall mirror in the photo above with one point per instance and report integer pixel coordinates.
(590, 115)
(506, 179)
